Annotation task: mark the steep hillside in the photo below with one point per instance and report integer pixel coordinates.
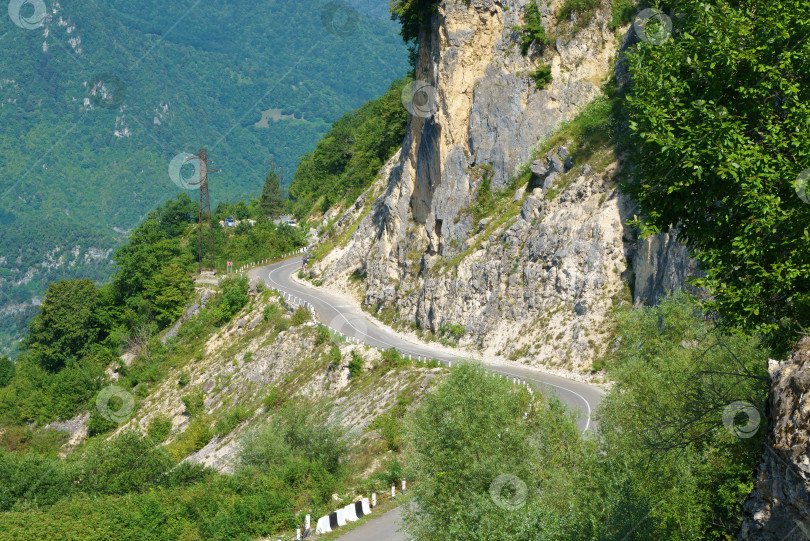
(98, 97)
(233, 422)
(502, 213)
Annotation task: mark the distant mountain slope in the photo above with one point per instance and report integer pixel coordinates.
(181, 75)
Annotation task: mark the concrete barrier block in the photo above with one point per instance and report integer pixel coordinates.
(349, 513)
(341, 517)
(323, 525)
(366, 506)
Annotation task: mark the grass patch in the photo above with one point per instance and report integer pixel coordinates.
(584, 10)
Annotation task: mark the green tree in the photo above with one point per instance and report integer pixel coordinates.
(668, 453)
(719, 134)
(6, 370)
(533, 32)
(272, 200)
(483, 469)
(66, 323)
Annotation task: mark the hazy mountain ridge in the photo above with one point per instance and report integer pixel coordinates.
(185, 76)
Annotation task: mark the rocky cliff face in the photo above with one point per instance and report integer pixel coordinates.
(779, 506)
(661, 265)
(537, 280)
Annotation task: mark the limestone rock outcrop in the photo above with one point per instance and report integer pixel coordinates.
(779, 505)
(539, 282)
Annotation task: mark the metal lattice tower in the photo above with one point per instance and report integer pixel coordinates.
(205, 209)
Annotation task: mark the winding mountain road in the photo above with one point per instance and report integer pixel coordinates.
(348, 319)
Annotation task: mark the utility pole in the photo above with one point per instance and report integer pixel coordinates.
(205, 208)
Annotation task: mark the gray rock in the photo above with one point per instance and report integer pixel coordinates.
(586, 170)
(562, 152)
(779, 505)
(569, 163)
(539, 168)
(532, 208)
(556, 165)
(661, 266)
(550, 180)
(209, 385)
(255, 323)
(241, 323)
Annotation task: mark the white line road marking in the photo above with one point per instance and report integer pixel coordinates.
(295, 265)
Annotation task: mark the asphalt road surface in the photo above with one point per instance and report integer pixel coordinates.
(382, 528)
(348, 319)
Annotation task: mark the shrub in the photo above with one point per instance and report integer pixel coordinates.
(195, 437)
(159, 428)
(194, 402)
(542, 76)
(271, 311)
(300, 316)
(356, 364)
(464, 437)
(232, 299)
(455, 330)
(6, 370)
(393, 358)
(334, 357)
(533, 31)
(274, 399)
(583, 9)
(622, 12)
(323, 335)
(31, 480)
(183, 379)
(98, 424)
(127, 463)
(231, 420)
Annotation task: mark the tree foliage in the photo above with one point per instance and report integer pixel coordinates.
(533, 32)
(66, 324)
(720, 132)
(272, 201)
(413, 15)
(469, 436)
(350, 155)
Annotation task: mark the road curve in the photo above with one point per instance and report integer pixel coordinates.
(334, 312)
(386, 526)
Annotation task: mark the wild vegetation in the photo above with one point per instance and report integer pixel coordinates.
(81, 327)
(349, 157)
(719, 124)
(662, 466)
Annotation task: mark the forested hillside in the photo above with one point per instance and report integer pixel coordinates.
(98, 99)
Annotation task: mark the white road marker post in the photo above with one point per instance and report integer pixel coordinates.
(393, 491)
(373, 500)
(403, 486)
(307, 524)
